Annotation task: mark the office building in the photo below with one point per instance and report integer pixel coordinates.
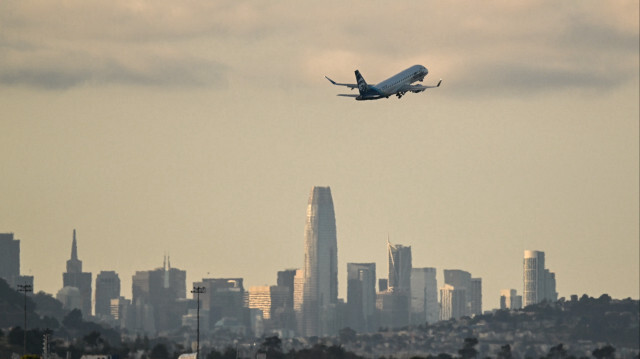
(259, 297)
(424, 296)
(399, 267)
(509, 299)
(539, 283)
(224, 298)
(286, 279)
(9, 259)
(71, 298)
(121, 312)
(155, 297)
(452, 302)
(393, 309)
(107, 288)
(475, 297)
(320, 290)
(383, 284)
(361, 296)
(75, 277)
(473, 289)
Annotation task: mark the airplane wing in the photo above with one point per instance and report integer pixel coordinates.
(417, 88)
(351, 86)
(347, 95)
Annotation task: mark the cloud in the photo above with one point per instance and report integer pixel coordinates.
(488, 47)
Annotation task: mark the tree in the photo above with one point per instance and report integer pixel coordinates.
(557, 352)
(273, 347)
(606, 352)
(92, 339)
(159, 351)
(347, 335)
(468, 348)
(73, 320)
(505, 352)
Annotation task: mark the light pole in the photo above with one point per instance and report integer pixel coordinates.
(197, 291)
(25, 288)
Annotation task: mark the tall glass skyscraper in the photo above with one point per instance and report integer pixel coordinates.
(361, 296)
(539, 283)
(399, 267)
(320, 291)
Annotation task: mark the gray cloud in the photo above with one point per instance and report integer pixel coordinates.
(520, 79)
(485, 48)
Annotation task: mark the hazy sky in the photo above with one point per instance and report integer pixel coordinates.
(198, 128)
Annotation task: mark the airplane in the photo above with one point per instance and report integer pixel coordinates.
(397, 85)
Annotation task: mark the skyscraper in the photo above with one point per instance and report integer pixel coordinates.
(473, 289)
(424, 296)
(539, 283)
(394, 303)
(154, 296)
(509, 299)
(107, 288)
(286, 279)
(399, 267)
(361, 296)
(475, 297)
(320, 291)
(223, 298)
(452, 302)
(9, 258)
(75, 277)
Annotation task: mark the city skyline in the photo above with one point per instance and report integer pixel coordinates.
(197, 129)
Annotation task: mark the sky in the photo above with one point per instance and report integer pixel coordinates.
(198, 128)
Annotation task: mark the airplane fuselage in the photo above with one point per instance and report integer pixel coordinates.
(398, 84)
(392, 85)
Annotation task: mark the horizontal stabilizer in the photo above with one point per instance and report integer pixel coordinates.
(351, 86)
(347, 95)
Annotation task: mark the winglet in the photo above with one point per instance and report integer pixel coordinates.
(439, 82)
(330, 80)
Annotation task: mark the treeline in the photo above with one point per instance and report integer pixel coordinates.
(272, 347)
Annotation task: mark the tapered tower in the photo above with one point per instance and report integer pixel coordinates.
(320, 293)
(75, 277)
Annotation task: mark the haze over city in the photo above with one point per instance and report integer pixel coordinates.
(197, 129)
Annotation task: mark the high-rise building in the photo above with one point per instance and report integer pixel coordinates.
(393, 308)
(473, 289)
(298, 297)
(107, 288)
(399, 267)
(452, 302)
(120, 311)
(75, 277)
(539, 283)
(270, 300)
(509, 299)
(155, 294)
(361, 296)
(260, 298)
(550, 286)
(395, 302)
(424, 296)
(70, 297)
(286, 279)
(383, 284)
(475, 299)
(320, 292)
(224, 298)
(9, 258)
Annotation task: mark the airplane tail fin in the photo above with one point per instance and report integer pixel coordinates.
(362, 84)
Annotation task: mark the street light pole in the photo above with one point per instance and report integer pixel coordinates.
(25, 288)
(197, 291)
